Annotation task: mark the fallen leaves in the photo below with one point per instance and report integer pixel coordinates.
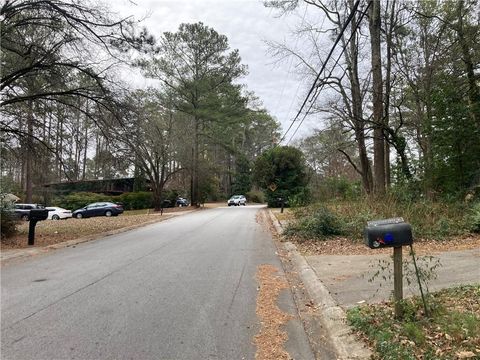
(451, 332)
(271, 339)
(345, 246)
(466, 354)
(51, 232)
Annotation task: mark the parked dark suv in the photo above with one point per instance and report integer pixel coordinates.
(182, 202)
(98, 209)
(22, 211)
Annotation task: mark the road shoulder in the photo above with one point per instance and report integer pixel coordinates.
(337, 340)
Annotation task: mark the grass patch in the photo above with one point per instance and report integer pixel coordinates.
(451, 332)
(430, 220)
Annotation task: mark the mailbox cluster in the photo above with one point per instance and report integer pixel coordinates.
(393, 232)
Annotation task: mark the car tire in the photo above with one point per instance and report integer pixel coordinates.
(108, 213)
(55, 217)
(25, 217)
(79, 216)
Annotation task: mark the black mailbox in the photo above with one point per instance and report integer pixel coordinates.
(35, 216)
(388, 233)
(38, 214)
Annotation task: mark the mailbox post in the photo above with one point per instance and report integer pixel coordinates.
(394, 233)
(35, 216)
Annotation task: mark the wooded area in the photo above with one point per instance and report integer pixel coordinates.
(401, 101)
(67, 114)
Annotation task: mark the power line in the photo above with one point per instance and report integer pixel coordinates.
(290, 65)
(298, 87)
(320, 87)
(349, 19)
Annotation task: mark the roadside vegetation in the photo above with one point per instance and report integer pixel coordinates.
(129, 200)
(431, 220)
(452, 331)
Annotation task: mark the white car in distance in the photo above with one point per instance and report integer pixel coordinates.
(237, 200)
(57, 213)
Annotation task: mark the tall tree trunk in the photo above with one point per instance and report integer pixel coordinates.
(157, 198)
(377, 99)
(351, 58)
(196, 155)
(85, 145)
(473, 89)
(390, 26)
(29, 154)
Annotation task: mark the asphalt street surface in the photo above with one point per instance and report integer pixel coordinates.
(184, 288)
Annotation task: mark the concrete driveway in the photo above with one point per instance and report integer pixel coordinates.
(347, 276)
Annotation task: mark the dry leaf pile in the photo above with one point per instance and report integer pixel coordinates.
(51, 232)
(271, 339)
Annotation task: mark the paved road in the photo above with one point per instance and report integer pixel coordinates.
(181, 289)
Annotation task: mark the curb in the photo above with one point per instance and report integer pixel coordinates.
(333, 317)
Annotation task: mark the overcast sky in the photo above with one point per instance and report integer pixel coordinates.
(247, 24)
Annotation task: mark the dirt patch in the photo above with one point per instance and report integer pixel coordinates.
(344, 246)
(271, 339)
(51, 232)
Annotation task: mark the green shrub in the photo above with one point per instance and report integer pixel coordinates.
(300, 198)
(78, 200)
(282, 172)
(317, 223)
(337, 188)
(474, 218)
(8, 224)
(130, 201)
(406, 191)
(171, 195)
(255, 196)
(135, 200)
